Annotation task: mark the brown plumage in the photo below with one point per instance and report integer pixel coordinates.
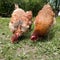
(20, 22)
(43, 21)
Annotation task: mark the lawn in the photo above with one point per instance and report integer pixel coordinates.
(47, 48)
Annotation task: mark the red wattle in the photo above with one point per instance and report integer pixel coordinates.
(14, 38)
(34, 38)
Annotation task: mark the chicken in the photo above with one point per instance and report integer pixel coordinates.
(43, 22)
(20, 22)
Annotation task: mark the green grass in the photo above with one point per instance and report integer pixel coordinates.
(47, 48)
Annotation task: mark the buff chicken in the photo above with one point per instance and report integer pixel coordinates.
(20, 22)
(43, 22)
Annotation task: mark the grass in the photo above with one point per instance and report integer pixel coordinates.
(44, 49)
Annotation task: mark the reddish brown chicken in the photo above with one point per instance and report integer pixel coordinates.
(43, 22)
(20, 22)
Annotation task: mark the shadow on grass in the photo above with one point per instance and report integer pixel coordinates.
(25, 36)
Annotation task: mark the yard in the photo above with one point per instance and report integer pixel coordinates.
(47, 48)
